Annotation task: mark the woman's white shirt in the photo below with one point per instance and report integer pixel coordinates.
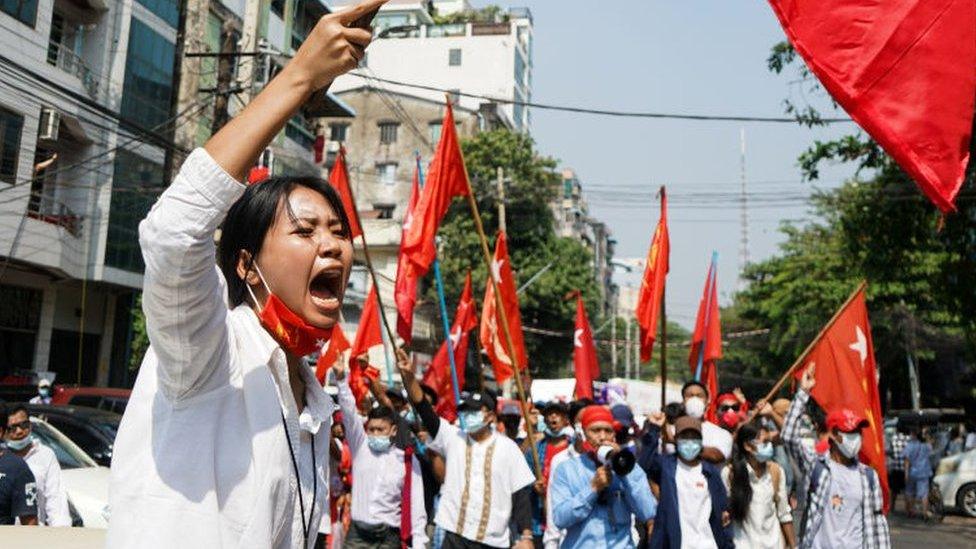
(201, 458)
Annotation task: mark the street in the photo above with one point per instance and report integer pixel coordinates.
(953, 532)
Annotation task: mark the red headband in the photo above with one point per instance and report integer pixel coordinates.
(594, 414)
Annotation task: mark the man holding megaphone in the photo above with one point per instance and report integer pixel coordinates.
(596, 494)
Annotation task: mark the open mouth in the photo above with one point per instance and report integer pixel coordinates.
(325, 289)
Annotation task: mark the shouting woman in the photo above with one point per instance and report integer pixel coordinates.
(225, 439)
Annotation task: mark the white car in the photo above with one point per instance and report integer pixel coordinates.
(85, 482)
(956, 478)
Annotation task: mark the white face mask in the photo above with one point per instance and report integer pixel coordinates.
(850, 444)
(695, 407)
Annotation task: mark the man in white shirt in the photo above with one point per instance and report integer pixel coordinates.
(487, 482)
(52, 502)
(716, 440)
(43, 392)
(380, 472)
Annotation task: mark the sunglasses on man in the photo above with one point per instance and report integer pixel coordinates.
(726, 407)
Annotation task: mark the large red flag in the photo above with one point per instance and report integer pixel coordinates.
(492, 335)
(847, 377)
(405, 288)
(584, 353)
(652, 287)
(445, 180)
(339, 179)
(328, 356)
(706, 341)
(369, 334)
(904, 71)
(438, 374)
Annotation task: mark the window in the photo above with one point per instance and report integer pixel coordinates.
(388, 132)
(337, 132)
(135, 185)
(11, 125)
(387, 172)
(454, 57)
(278, 8)
(435, 131)
(24, 11)
(148, 84)
(167, 10)
(385, 210)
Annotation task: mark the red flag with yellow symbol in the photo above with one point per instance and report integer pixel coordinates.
(847, 377)
(328, 356)
(652, 286)
(492, 333)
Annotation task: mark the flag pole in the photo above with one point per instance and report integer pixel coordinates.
(664, 332)
(500, 307)
(369, 265)
(439, 283)
(779, 384)
(712, 271)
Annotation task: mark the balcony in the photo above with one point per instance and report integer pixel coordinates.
(488, 29)
(56, 213)
(67, 60)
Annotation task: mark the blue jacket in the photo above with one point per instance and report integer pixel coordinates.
(603, 521)
(667, 527)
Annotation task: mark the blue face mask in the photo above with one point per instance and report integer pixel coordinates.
(472, 421)
(540, 426)
(18, 445)
(409, 416)
(44, 391)
(689, 449)
(764, 451)
(379, 444)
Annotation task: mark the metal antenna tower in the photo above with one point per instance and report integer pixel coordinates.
(743, 210)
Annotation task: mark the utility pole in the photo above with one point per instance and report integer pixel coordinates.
(913, 382)
(613, 342)
(500, 181)
(743, 211)
(636, 351)
(627, 349)
(225, 75)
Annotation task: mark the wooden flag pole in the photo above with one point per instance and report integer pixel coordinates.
(499, 306)
(803, 355)
(664, 348)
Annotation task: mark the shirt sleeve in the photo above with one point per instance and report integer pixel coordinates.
(572, 503)
(445, 431)
(355, 434)
(56, 500)
(418, 512)
(639, 496)
(521, 474)
(24, 493)
(183, 291)
(801, 455)
(783, 510)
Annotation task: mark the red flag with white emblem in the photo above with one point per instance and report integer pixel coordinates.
(438, 374)
(847, 377)
(339, 179)
(368, 335)
(584, 353)
(706, 341)
(327, 357)
(492, 335)
(405, 288)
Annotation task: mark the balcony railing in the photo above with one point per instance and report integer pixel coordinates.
(57, 213)
(486, 29)
(67, 60)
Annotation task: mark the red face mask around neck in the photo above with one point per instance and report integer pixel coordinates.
(296, 337)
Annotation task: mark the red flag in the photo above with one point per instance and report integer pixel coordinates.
(903, 71)
(369, 334)
(584, 353)
(652, 287)
(438, 374)
(847, 377)
(405, 288)
(339, 179)
(492, 338)
(445, 180)
(706, 341)
(327, 357)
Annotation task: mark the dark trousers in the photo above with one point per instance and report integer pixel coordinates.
(371, 536)
(454, 541)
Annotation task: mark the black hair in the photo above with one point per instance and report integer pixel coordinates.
(576, 406)
(14, 409)
(3, 417)
(692, 383)
(673, 410)
(511, 424)
(817, 415)
(251, 217)
(382, 412)
(740, 490)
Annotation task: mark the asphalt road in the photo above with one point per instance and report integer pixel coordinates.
(952, 533)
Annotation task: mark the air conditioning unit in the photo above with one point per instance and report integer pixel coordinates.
(47, 127)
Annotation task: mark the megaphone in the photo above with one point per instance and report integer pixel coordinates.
(620, 461)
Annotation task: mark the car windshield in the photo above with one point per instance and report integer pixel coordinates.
(107, 425)
(69, 455)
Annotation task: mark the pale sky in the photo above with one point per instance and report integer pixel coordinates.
(697, 57)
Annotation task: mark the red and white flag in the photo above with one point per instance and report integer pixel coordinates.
(492, 333)
(405, 288)
(438, 375)
(652, 286)
(339, 179)
(706, 341)
(585, 364)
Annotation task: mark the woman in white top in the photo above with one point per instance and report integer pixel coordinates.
(224, 442)
(758, 503)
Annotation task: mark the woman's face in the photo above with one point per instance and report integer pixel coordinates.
(305, 260)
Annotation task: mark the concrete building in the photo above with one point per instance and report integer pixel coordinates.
(85, 123)
(491, 58)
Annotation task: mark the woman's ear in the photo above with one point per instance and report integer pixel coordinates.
(245, 269)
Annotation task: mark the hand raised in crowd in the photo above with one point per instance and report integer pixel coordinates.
(808, 380)
(739, 395)
(341, 367)
(656, 418)
(405, 366)
(601, 479)
(764, 408)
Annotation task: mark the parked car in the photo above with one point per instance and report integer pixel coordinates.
(92, 429)
(103, 398)
(956, 478)
(85, 482)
